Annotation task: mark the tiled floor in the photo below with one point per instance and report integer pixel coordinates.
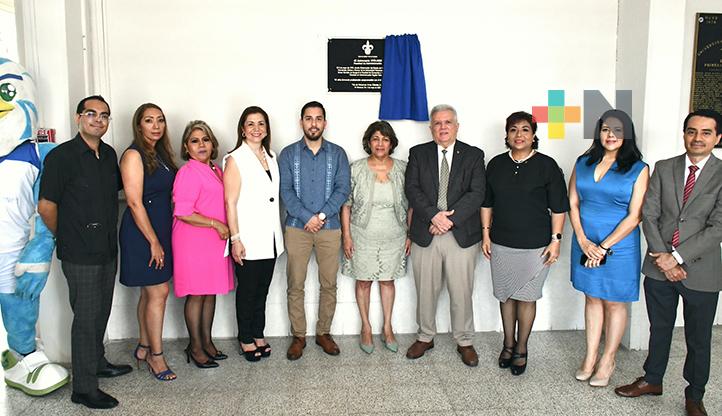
(384, 383)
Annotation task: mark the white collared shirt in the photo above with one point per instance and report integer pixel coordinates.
(688, 163)
(449, 155)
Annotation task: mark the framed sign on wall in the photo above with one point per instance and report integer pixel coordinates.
(355, 65)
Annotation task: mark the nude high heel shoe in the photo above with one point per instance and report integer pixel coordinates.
(602, 382)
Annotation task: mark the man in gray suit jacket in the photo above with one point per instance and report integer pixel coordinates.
(445, 185)
(682, 222)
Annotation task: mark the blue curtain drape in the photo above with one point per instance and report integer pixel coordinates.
(403, 87)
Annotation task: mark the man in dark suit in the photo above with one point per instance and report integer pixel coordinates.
(682, 222)
(445, 184)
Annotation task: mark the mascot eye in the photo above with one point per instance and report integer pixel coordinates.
(7, 92)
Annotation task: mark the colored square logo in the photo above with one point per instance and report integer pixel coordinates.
(556, 114)
(556, 130)
(540, 114)
(572, 114)
(556, 98)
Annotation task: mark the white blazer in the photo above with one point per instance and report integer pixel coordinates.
(259, 215)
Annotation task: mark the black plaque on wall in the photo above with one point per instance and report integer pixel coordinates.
(355, 65)
(707, 64)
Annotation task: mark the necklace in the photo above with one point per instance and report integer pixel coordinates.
(519, 161)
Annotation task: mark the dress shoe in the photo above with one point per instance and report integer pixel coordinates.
(517, 369)
(112, 370)
(505, 362)
(583, 375)
(418, 348)
(640, 387)
(95, 400)
(694, 408)
(597, 381)
(295, 350)
(468, 355)
(392, 346)
(326, 342)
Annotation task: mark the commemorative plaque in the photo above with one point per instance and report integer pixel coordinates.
(355, 65)
(707, 64)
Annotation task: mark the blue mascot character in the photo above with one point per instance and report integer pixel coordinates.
(26, 244)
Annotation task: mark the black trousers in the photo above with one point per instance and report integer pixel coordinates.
(699, 310)
(90, 289)
(254, 279)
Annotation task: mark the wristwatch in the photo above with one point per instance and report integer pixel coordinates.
(557, 237)
(321, 216)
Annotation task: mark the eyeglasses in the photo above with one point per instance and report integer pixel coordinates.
(92, 116)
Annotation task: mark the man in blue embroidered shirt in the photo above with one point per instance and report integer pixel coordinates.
(315, 182)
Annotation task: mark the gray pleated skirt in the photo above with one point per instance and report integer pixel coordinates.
(517, 273)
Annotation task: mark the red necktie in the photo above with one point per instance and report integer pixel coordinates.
(688, 187)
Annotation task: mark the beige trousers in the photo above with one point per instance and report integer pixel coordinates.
(299, 244)
(443, 260)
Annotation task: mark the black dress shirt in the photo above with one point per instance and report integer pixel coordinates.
(85, 189)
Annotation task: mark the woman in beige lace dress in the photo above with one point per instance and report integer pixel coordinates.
(374, 224)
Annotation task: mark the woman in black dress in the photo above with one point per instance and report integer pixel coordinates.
(522, 219)
(146, 259)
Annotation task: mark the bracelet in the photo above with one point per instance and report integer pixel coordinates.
(212, 224)
(236, 237)
(609, 251)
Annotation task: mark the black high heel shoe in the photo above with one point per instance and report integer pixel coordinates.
(506, 362)
(252, 355)
(208, 364)
(217, 356)
(137, 349)
(518, 370)
(264, 349)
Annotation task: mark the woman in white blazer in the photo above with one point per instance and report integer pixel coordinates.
(251, 182)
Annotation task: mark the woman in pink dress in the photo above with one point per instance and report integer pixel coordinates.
(201, 268)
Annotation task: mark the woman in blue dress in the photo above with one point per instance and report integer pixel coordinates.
(606, 192)
(146, 259)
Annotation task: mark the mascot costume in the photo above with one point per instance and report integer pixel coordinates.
(26, 244)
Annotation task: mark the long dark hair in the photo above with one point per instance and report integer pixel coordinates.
(266, 142)
(628, 154)
(162, 149)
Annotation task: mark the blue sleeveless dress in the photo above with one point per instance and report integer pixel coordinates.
(602, 206)
(134, 248)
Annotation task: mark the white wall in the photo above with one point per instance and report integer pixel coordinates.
(198, 61)
(201, 62)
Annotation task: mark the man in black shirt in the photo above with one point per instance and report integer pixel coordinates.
(79, 204)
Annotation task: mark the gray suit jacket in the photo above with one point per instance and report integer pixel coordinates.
(699, 221)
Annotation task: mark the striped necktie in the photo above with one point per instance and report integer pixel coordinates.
(688, 187)
(443, 182)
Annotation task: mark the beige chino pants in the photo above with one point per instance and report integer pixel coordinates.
(299, 244)
(445, 260)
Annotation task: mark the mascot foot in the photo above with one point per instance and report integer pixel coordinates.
(34, 374)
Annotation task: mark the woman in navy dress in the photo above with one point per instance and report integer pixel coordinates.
(606, 191)
(146, 259)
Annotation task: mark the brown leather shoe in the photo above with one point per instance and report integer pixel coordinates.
(328, 344)
(639, 388)
(468, 355)
(418, 348)
(295, 350)
(695, 408)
